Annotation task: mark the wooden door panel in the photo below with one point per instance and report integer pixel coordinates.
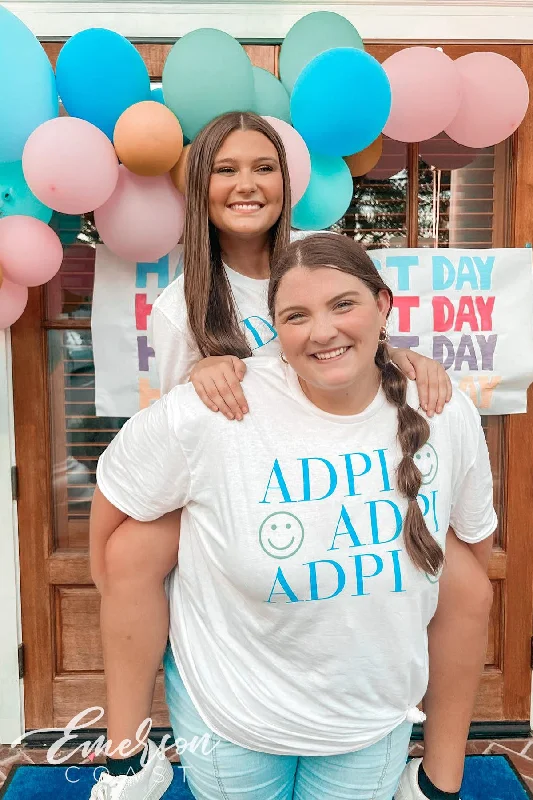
(34, 513)
(72, 696)
(60, 606)
(77, 609)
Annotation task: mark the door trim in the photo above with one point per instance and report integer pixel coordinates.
(34, 514)
(255, 19)
(11, 701)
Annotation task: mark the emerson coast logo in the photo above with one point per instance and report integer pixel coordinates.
(71, 737)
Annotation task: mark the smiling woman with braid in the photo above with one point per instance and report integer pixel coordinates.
(313, 535)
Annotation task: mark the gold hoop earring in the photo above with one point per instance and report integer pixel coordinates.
(283, 358)
(384, 337)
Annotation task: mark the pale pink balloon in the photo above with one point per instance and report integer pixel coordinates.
(30, 251)
(426, 93)
(442, 152)
(144, 217)
(13, 299)
(70, 165)
(393, 160)
(298, 158)
(495, 97)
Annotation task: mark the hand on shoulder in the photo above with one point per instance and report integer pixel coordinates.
(217, 381)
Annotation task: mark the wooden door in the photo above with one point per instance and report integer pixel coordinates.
(59, 438)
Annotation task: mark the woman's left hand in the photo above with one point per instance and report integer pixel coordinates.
(432, 381)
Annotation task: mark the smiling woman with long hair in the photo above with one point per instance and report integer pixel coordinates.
(312, 542)
(204, 324)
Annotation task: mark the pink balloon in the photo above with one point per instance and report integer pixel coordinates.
(13, 299)
(426, 93)
(393, 160)
(494, 102)
(144, 217)
(442, 152)
(298, 158)
(30, 252)
(70, 165)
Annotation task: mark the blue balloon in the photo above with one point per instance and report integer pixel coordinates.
(157, 95)
(328, 195)
(28, 95)
(99, 75)
(16, 197)
(341, 101)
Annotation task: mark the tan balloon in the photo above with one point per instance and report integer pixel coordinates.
(178, 174)
(148, 138)
(1, 276)
(363, 162)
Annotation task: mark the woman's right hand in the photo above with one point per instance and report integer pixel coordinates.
(217, 380)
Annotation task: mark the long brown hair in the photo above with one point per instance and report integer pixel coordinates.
(342, 253)
(210, 306)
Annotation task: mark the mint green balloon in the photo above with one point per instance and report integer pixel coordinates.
(328, 195)
(271, 97)
(310, 36)
(16, 197)
(207, 73)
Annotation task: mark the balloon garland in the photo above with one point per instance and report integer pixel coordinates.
(115, 147)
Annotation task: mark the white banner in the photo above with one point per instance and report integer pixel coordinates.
(124, 364)
(472, 310)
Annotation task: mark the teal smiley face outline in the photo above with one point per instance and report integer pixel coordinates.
(283, 525)
(427, 454)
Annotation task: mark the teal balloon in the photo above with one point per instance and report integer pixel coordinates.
(67, 227)
(207, 73)
(310, 36)
(16, 197)
(328, 195)
(271, 97)
(28, 95)
(157, 95)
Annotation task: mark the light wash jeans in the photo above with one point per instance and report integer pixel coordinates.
(221, 770)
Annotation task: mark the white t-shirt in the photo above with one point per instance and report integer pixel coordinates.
(175, 349)
(298, 622)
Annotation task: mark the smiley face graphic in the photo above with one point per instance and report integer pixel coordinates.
(281, 535)
(434, 578)
(427, 461)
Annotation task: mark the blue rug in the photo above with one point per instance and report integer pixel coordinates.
(486, 778)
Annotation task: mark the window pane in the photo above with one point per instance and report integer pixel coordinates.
(69, 293)
(78, 436)
(456, 207)
(377, 216)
